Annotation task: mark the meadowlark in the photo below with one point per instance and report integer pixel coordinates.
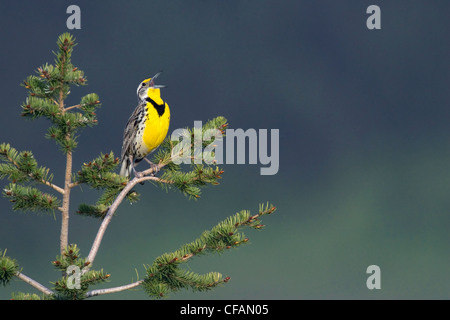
(146, 128)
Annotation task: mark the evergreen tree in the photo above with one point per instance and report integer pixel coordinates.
(47, 93)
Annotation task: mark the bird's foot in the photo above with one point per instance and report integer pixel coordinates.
(153, 166)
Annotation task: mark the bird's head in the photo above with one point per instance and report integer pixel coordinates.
(148, 88)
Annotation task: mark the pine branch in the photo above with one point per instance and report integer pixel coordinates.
(64, 236)
(98, 173)
(9, 268)
(72, 107)
(28, 296)
(65, 292)
(71, 258)
(34, 284)
(165, 276)
(189, 183)
(23, 166)
(98, 292)
(30, 199)
(96, 211)
(47, 94)
(48, 91)
(107, 219)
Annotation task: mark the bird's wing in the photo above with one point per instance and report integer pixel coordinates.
(131, 129)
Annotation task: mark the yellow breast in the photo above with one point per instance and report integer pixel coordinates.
(157, 121)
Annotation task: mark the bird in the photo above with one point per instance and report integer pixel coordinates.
(146, 128)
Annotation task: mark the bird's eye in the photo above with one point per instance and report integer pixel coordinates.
(143, 84)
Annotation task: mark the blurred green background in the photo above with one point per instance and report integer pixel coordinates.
(364, 140)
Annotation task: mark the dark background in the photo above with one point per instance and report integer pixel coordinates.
(364, 140)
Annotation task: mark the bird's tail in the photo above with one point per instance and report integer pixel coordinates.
(126, 167)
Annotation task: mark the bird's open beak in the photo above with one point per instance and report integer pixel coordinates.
(152, 81)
